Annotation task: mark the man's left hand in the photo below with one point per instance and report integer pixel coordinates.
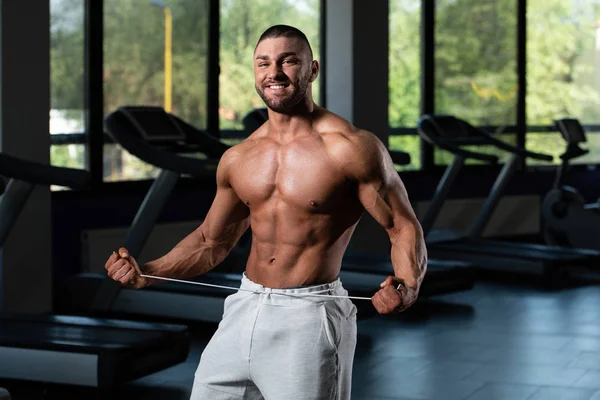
(391, 297)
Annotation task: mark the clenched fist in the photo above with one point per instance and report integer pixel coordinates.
(123, 268)
(392, 297)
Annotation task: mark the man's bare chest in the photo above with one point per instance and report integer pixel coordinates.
(299, 176)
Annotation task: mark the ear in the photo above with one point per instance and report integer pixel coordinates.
(314, 70)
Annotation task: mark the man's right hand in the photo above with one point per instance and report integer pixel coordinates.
(123, 268)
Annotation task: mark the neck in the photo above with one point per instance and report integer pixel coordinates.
(294, 122)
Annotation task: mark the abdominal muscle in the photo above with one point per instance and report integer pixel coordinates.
(293, 252)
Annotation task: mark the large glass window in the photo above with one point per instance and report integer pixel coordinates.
(66, 79)
(476, 60)
(563, 71)
(405, 63)
(242, 23)
(405, 76)
(553, 143)
(148, 44)
(476, 65)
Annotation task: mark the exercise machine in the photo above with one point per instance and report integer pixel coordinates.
(156, 137)
(162, 140)
(75, 350)
(566, 219)
(550, 262)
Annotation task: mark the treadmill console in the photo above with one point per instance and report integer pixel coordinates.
(154, 124)
(571, 130)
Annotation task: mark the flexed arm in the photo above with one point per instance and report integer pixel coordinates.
(383, 195)
(201, 250)
(211, 242)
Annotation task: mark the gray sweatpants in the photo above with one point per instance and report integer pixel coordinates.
(277, 347)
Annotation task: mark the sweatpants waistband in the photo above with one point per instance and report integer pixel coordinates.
(334, 287)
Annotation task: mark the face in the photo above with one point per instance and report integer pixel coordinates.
(283, 71)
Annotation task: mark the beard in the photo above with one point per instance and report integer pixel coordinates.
(281, 104)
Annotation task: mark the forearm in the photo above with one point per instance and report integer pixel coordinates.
(195, 255)
(409, 257)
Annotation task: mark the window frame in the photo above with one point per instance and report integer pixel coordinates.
(94, 136)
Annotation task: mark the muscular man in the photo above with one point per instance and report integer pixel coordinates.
(302, 182)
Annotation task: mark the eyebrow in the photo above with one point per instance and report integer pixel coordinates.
(281, 55)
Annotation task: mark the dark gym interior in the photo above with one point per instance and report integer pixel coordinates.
(113, 117)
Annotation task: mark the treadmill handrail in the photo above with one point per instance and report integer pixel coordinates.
(521, 152)
(43, 174)
(452, 148)
(152, 155)
(477, 132)
(400, 157)
(211, 146)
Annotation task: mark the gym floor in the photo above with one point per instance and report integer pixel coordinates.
(498, 341)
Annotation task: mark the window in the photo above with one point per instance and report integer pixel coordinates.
(137, 63)
(404, 77)
(563, 71)
(242, 23)
(475, 65)
(405, 63)
(552, 143)
(475, 60)
(66, 80)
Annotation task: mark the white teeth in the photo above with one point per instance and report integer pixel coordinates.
(277, 87)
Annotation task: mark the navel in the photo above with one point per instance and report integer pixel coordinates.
(272, 261)
(313, 203)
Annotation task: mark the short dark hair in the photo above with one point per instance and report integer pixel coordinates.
(277, 31)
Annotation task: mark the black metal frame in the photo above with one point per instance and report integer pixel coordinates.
(95, 138)
(213, 68)
(323, 56)
(94, 92)
(427, 74)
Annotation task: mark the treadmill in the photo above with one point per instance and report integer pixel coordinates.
(155, 136)
(549, 262)
(73, 350)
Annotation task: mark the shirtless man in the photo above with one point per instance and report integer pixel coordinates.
(302, 182)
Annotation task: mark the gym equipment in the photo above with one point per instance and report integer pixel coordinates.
(157, 138)
(550, 262)
(566, 219)
(142, 131)
(69, 349)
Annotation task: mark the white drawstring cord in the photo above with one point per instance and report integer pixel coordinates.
(309, 294)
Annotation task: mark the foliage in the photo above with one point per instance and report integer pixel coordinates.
(475, 63)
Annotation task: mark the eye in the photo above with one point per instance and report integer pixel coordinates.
(262, 65)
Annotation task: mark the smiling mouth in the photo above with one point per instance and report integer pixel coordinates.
(277, 87)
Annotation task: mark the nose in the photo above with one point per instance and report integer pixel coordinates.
(274, 71)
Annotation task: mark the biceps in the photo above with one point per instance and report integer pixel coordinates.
(227, 218)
